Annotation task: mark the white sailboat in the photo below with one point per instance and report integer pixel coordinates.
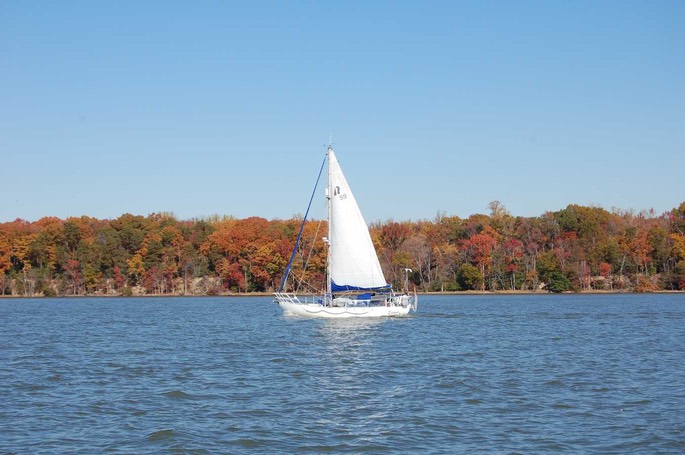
(355, 284)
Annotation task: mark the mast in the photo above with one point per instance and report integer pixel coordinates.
(329, 191)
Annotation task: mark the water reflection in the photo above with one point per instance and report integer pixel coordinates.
(350, 333)
(358, 379)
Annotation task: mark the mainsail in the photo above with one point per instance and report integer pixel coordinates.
(353, 261)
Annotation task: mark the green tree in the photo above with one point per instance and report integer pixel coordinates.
(468, 277)
(558, 282)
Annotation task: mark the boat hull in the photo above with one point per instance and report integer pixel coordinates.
(292, 306)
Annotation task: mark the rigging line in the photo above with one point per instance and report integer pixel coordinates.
(299, 235)
(306, 263)
(310, 288)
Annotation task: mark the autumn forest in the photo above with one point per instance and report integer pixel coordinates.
(576, 249)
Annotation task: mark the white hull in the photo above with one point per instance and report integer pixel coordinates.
(293, 306)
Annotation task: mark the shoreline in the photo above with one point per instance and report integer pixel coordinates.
(270, 294)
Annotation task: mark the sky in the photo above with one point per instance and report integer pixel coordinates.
(216, 107)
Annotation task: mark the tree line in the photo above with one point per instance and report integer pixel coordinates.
(578, 248)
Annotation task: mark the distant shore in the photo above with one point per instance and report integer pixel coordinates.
(270, 294)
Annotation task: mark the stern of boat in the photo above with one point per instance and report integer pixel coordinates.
(406, 301)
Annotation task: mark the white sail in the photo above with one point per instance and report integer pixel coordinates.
(354, 263)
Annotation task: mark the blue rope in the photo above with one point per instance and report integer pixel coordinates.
(299, 236)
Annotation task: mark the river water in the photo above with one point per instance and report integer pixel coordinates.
(468, 374)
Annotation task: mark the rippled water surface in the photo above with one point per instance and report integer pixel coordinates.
(477, 374)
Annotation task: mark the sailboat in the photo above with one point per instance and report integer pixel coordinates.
(355, 284)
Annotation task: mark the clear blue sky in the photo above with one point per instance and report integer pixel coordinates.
(220, 107)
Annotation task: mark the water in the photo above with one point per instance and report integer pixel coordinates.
(475, 374)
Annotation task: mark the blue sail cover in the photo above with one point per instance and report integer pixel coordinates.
(335, 287)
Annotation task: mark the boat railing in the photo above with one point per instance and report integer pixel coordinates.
(294, 299)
